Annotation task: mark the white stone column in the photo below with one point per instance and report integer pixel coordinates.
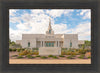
(58, 43)
(41, 43)
(55, 44)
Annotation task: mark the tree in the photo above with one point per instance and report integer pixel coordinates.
(13, 43)
(87, 43)
(9, 41)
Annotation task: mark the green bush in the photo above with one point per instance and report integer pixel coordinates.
(14, 56)
(55, 57)
(89, 57)
(14, 49)
(35, 48)
(70, 57)
(30, 57)
(81, 56)
(19, 57)
(18, 50)
(44, 57)
(38, 56)
(10, 49)
(50, 56)
(61, 56)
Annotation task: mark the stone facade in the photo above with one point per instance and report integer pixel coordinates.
(49, 51)
(49, 40)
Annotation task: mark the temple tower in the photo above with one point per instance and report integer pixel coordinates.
(49, 31)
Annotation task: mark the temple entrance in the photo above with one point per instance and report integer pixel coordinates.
(49, 44)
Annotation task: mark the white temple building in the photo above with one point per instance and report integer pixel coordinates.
(50, 39)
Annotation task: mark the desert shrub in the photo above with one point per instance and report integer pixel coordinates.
(30, 57)
(70, 57)
(14, 49)
(18, 50)
(71, 53)
(10, 49)
(23, 49)
(35, 49)
(76, 50)
(38, 56)
(14, 56)
(63, 52)
(64, 49)
(87, 50)
(55, 57)
(30, 53)
(44, 57)
(82, 51)
(81, 56)
(19, 57)
(89, 57)
(50, 55)
(68, 53)
(25, 52)
(61, 56)
(36, 53)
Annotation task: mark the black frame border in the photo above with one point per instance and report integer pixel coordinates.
(4, 33)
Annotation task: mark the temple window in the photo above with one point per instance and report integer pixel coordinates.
(28, 44)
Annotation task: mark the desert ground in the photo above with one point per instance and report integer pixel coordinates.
(46, 61)
(37, 60)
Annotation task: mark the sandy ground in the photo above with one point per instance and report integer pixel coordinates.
(46, 61)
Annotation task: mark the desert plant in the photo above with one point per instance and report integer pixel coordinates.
(44, 57)
(10, 49)
(81, 56)
(19, 57)
(63, 52)
(25, 52)
(18, 50)
(30, 57)
(50, 55)
(82, 51)
(70, 57)
(14, 49)
(61, 56)
(89, 57)
(38, 56)
(55, 57)
(36, 53)
(14, 56)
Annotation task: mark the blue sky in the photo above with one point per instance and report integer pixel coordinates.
(63, 21)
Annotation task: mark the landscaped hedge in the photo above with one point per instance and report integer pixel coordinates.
(14, 49)
(10, 49)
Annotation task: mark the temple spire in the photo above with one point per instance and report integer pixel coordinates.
(50, 31)
(49, 24)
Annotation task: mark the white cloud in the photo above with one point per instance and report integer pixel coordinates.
(58, 12)
(15, 19)
(86, 13)
(12, 12)
(83, 30)
(59, 28)
(37, 11)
